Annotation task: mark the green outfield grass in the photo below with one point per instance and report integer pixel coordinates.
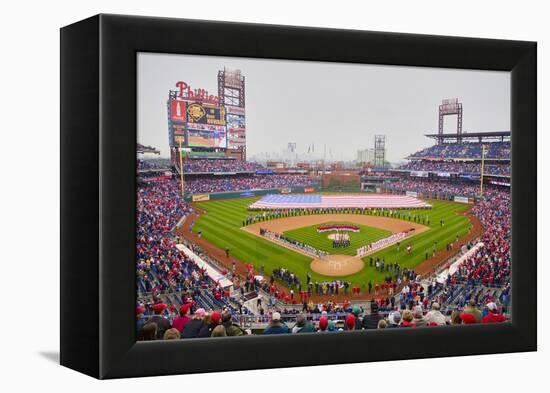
(223, 219)
(320, 241)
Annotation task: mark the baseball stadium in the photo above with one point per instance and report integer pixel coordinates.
(229, 246)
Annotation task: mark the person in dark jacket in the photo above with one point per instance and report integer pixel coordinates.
(303, 325)
(276, 326)
(370, 321)
(194, 326)
(230, 328)
(163, 323)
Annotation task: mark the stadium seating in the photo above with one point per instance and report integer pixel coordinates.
(216, 166)
(196, 185)
(457, 167)
(493, 150)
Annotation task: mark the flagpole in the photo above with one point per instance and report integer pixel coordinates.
(482, 170)
(181, 171)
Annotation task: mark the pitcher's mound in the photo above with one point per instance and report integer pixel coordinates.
(337, 265)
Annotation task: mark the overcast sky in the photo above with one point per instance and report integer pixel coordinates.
(340, 105)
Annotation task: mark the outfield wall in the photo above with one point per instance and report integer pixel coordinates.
(249, 193)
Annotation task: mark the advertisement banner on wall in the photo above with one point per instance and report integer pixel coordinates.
(178, 111)
(461, 199)
(309, 190)
(286, 190)
(201, 197)
(443, 174)
(413, 194)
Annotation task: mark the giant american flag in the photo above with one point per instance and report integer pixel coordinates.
(315, 201)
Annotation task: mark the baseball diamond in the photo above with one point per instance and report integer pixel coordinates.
(226, 217)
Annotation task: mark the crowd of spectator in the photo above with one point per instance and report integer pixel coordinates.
(457, 167)
(493, 150)
(242, 183)
(219, 165)
(160, 265)
(435, 187)
(490, 265)
(420, 314)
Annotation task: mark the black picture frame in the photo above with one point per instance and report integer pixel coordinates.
(98, 150)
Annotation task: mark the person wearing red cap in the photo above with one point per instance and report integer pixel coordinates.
(163, 323)
(180, 322)
(323, 324)
(350, 322)
(210, 323)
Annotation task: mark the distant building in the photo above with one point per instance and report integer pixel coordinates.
(365, 156)
(276, 164)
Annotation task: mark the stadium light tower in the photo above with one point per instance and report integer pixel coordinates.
(450, 106)
(379, 150)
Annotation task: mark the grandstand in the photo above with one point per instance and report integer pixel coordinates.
(452, 159)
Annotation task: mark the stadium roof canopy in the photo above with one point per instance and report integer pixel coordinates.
(480, 136)
(141, 149)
